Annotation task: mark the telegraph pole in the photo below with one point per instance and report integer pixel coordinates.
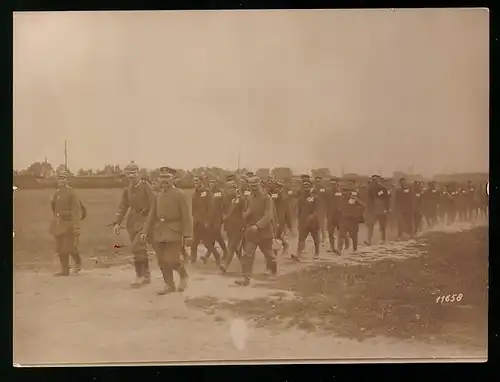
(66, 155)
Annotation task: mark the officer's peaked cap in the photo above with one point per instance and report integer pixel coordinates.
(131, 168)
(167, 171)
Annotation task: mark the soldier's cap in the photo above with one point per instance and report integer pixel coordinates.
(279, 184)
(402, 178)
(62, 172)
(231, 183)
(230, 177)
(131, 168)
(167, 172)
(318, 178)
(305, 176)
(334, 179)
(254, 181)
(249, 174)
(373, 177)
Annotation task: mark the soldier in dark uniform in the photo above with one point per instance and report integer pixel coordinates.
(65, 224)
(333, 216)
(448, 199)
(234, 223)
(404, 206)
(216, 219)
(320, 191)
(351, 210)
(471, 202)
(417, 207)
(282, 218)
(378, 204)
(202, 209)
(138, 197)
(430, 204)
(308, 218)
(258, 232)
(169, 227)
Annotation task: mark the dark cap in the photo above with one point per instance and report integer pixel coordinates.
(62, 172)
(318, 178)
(131, 168)
(279, 184)
(375, 176)
(231, 177)
(249, 174)
(253, 180)
(402, 178)
(167, 172)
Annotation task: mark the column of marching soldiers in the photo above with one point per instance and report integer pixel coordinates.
(258, 214)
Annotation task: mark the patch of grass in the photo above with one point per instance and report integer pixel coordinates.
(391, 298)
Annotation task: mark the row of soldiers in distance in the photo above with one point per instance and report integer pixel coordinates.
(253, 214)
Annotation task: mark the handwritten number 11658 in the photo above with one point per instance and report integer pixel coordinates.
(449, 298)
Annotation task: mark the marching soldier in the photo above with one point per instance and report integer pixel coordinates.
(378, 205)
(333, 216)
(234, 223)
(216, 219)
(258, 232)
(138, 197)
(471, 201)
(65, 225)
(351, 211)
(430, 204)
(308, 218)
(169, 227)
(448, 199)
(282, 213)
(417, 207)
(404, 205)
(201, 210)
(320, 191)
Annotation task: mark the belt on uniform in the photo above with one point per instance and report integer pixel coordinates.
(143, 212)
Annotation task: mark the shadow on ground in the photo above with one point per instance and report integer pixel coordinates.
(389, 298)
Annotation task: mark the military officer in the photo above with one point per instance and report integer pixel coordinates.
(351, 211)
(333, 201)
(138, 197)
(65, 224)
(169, 227)
(378, 204)
(404, 205)
(258, 232)
(308, 218)
(216, 219)
(234, 223)
(201, 210)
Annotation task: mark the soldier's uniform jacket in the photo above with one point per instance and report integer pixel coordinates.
(446, 197)
(66, 212)
(202, 206)
(430, 199)
(138, 198)
(321, 194)
(217, 208)
(378, 198)
(234, 207)
(404, 199)
(308, 208)
(350, 204)
(333, 203)
(418, 199)
(281, 207)
(169, 217)
(260, 213)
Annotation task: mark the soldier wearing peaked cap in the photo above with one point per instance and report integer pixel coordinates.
(404, 205)
(138, 196)
(308, 218)
(332, 206)
(351, 211)
(258, 232)
(378, 205)
(169, 227)
(430, 204)
(65, 224)
(282, 213)
(320, 191)
(215, 221)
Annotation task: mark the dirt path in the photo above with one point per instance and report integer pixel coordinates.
(96, 317)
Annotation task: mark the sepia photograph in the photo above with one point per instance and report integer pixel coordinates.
(249, 187)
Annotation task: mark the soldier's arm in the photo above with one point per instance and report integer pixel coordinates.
(122, 208)
(268, 214)
(75, 210)
(186, 216)
(151, 217)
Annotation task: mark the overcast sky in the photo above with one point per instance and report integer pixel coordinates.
(369, 90)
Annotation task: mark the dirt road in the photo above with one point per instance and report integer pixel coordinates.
(95, 317)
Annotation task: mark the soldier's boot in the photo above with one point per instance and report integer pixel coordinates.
(245, 281)
(146, 273)
(183, 283)
(139, 277)
(346, 242)
(354, 243)
(217, 257)
(64, 260)
(78, 261)
(168, 277)
(273, 270)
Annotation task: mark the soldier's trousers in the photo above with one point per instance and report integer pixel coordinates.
(202, 235)
(406, 223)
(280, 235)
(66, 246)
(431, 216)
(304, 232)
(322, 224)
(215, 234)
(234, 246)
(381, 218)
(248, 257)
(168, 255)
(451, 214)
(417, 221)
(333, 224)
(139, 251)
(349, 227)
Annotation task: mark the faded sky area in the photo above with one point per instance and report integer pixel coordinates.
(369, 90)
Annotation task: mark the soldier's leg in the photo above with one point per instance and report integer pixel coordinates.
(266, 247)
(382, 222)
(75, 253)
(166, 268)
(331, 235)
(400, 223)
(315, 234)
(353, 231)
(197, 234)
(342, 234)
(141, 260)
(233, 244)
(209, 241)
(301, 244)
(63, 253)
(173, 261)
(247, 260)
(281, 236)
(220, 240)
